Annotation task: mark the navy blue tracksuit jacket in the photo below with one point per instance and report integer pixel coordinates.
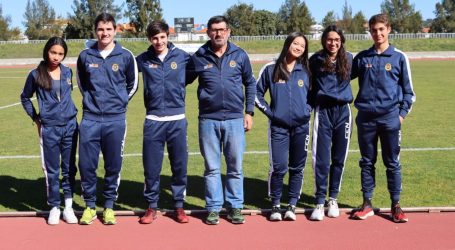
(164, 97)
(385, 93)
(59, 130)
(289, 114)
(332, 125)
(106, 85)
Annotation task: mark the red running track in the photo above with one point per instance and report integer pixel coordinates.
(423, 231)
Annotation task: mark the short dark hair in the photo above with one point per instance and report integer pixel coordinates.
(217, 19)
(157, 27)
(105, 18)
(379, 18)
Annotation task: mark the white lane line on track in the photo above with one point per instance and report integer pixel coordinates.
(247, 152)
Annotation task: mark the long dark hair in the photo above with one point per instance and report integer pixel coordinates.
(342, 67)
(280, 72)
(43, 79)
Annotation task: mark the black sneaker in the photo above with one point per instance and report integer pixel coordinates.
(213, 218)
(235, 216)
(275, 215)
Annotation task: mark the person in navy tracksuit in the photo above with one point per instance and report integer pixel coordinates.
(107, 78)
(163, 68)
(226, 94)
(57, 125)
(384, 99)
(331, 93)
(288, 82)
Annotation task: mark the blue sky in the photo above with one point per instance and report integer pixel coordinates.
(202, 10)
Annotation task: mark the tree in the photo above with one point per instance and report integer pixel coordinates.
(265, 22)
(294, 16)
(141, 13)
(284, 13)
(345, 22)
(403, 17)
(241, 18)
(329, 19)
(81, 24)
(357, 23)
(445, 17)
(40, 20)
(6, 33)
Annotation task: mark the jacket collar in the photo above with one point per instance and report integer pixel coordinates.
(206, 49)
(93, 50)
(388, 52)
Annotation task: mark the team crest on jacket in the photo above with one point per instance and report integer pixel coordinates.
(208, 66)
(300, 83)
(388, 67)
(153, 66)
(232, 63)
(93, 65)
(115, 67)
(173, 65)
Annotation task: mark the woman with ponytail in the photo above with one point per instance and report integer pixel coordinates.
(57, 126)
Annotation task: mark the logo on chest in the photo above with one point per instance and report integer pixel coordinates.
(93, 65)
(208, 66)
(388, 67)
(153, 66)
(173, 65)
(115, 67)
(300, 83)
(232, 64)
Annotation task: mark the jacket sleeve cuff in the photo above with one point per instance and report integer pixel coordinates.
(403, 113)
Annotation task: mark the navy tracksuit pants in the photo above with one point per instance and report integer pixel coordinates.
(331, 136)
(58, 151)
(386, 128)
(156, 135)
(289, 148)
(109, 137)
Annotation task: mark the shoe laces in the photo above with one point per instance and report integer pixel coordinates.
(213, 214)
(397, 210)
(291, 208)
(237, 212)
(276, 209)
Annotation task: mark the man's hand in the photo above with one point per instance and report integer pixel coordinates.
(401, 119)
(247, 122)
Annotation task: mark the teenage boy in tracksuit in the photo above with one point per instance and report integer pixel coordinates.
(225, 73)
(107, 78)
(384, 99)
(163, 68)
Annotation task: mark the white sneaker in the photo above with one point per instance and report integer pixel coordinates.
(275, 214)
(290, 213)
(318, 213)
(54, 216)
(333, 209)
(69, 216)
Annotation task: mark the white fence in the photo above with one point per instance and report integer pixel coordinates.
(261, 38)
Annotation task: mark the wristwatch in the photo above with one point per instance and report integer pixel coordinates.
(250, 113)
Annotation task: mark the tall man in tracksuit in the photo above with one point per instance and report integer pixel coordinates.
(224, 70)
(107, 78)
(163, 68)
(384, 99)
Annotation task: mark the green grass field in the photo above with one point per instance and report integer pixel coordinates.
(252, 47)
(428, 159)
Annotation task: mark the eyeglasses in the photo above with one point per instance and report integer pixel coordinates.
(221, 31)
(336, 40)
